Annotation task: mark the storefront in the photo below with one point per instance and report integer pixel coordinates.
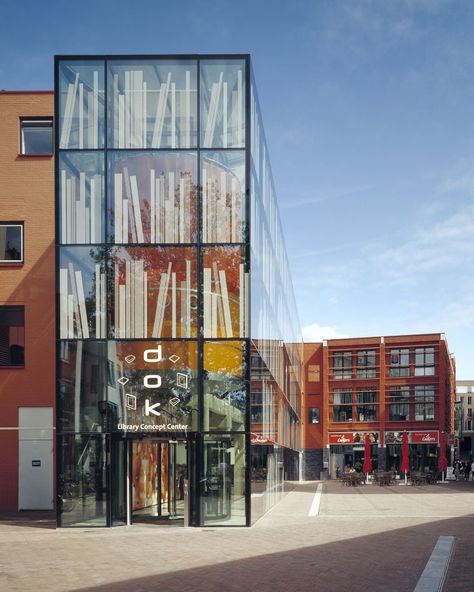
(346, 451)
(423, 449)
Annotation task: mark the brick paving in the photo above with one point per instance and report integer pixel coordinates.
(365, 538)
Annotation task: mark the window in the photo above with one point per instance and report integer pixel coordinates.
(424, 402)
(469, 425)
(314, 373)
(399, 403)
(399, 362)
(469, 412)
(12, 336)
(366, 405)
(313, 415)
(342, 405)
(11, 242)
(36, 135)
(469, 400)
(366, 364)
(342, 365)
(424, 361)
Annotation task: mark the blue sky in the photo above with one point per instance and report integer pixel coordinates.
(369, 114)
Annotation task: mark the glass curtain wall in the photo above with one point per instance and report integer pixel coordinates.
(275, 334)
(152, 193)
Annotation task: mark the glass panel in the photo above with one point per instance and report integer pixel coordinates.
(82, 480)
(36, 136)
(82, 388)
(225, 288)
(152, 104)
(152, 386)
(223, 197)
(11, 243)
(225, 391)
(223, 103)
(82, 293)
(81, 104)
(224, 480)
(12, 336)
(81, 197)
(155, 291)
(118, 484)
(153, 197)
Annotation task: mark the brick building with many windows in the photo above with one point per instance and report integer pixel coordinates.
(380, 386)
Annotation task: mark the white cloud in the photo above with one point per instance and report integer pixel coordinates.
(315, 332)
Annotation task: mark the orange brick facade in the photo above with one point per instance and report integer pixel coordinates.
(26, 195)
(380, 386)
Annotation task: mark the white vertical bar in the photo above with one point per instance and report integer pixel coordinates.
(70, 316)
(103, 308)
(222, 228)
(90, 119)
(145, 304)
(234, 238)
(72, 281)
(125, 221)
(121, 121)
(173, 304)
(136, 208)
(122, 311)
(64, 236)
(128, 332)
(239, 109)
(207, 301)
(226, 304)
(188, 298)
(127, 110)
(181, 210)
(96, 108)
(187, 112)
(69, 206)
(204, 204)
(98, 286)
(152, 206)
(116, 119)
(82, 304)
(133, 332)
(173, 115)
(214, 299)
(144, 107)
(93, 220)
(81, 226)
(87, 226)
(81, 115)
(63, 316)
(224, 115)
(139, 297)
(119, 202)
(184, 299)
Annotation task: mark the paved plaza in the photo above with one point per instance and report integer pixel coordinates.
(366, 538)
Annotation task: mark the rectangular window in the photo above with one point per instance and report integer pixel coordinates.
(366, 405)
(424, 402)
(12, 336)
(469, 400)
(342, 365)
(399, 403)
(36, 135)
(342, 405)
(11, 242)
(399, 362)
(314, 373)
(313, 415)
(469, 425)
(424, 361)
(366, 364)
(469, 412)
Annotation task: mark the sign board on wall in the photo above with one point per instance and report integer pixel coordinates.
(349, 438)
(413, 437)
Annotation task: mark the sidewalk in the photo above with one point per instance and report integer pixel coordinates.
(364, 538)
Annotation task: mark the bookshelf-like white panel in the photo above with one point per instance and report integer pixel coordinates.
(81, 198)
(222, 104)
(81, 105)
(223, 197)
(153, 288)
(154, 197)
(153, 104)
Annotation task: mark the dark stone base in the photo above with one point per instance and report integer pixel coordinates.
(312, 464)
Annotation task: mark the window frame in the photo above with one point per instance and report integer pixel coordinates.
(44, 121)
(21, 308)
(314, 415)
(398, 398)
(22, 235)
(399, 369)
(424, 361)
(344, 370)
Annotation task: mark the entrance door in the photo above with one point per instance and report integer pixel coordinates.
(159, 470)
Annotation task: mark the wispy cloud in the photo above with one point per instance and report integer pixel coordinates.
(323, 198)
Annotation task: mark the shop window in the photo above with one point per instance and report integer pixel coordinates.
(424, 402)
(366, 405)
(12, 336)
(313, 415)
(342, 365)
(314, 373)
(399, 403)
(399, 362)
(342, 405)
(36, 135)
(11, 242)
(366, 364)
(424, 361)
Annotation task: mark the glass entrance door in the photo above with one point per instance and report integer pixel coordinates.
(158, 473)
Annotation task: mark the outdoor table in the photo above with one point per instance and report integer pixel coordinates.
(419, 478)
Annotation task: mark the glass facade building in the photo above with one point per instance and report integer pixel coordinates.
(178, 353)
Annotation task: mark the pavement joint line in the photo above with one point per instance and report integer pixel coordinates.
(314, 509)
(434, 574)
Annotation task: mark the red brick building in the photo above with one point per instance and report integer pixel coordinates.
(27, 300)
(379, 386)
